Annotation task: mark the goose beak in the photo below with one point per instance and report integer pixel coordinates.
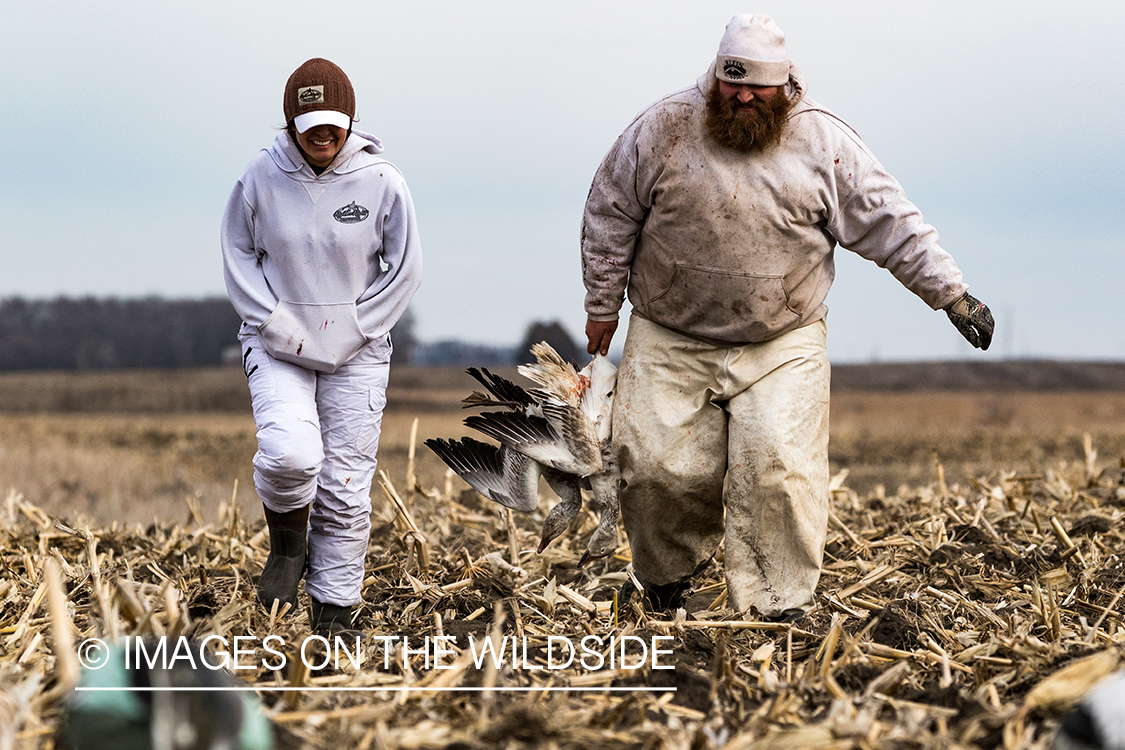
(543, 545)
(585, 558)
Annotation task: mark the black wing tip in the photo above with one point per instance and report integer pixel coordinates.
(509, 427)
(505, 391)
(466, 456)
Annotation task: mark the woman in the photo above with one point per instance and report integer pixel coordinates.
(321, 257)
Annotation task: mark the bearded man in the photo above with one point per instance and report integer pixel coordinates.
(718, 209)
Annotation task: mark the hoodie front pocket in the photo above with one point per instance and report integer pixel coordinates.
(317, 336)
(724, 305)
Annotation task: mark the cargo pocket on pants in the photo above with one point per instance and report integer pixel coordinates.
(365, 440)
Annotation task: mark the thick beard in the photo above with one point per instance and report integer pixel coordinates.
(746, 131)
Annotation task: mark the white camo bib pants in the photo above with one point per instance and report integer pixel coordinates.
(318, 434)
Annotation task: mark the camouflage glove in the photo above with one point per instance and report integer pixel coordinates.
(971, 317)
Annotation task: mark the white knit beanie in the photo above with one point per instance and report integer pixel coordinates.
(753, 51)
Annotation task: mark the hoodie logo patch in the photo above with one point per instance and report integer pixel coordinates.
(734, 69)
(310, 94)
(351, 214)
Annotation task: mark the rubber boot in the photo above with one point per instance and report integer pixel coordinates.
(331, 620)
(657, 598)
(286, 563)
(665, 597)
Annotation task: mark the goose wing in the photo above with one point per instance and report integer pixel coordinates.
(554, 374)
(557, 439)
(502, 475)
(578, 434)
(505, 392)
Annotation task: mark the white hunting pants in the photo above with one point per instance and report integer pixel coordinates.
(317, 438)
(698, 427)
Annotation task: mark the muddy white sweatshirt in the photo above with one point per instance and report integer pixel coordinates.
(321, 264)
(737, 248)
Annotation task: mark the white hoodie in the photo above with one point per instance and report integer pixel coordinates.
(320, 265)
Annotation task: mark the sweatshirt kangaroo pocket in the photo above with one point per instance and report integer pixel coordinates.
(316, 336)
(724, 305)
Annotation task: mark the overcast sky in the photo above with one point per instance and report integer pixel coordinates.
(126, 125)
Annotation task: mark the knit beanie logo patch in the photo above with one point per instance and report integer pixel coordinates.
(734, 69)
(318, 84)
(351, 214)
(310, 95)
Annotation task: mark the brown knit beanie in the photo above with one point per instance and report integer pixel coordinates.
(318, 86)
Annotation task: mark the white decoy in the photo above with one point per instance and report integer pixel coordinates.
(1099, 721)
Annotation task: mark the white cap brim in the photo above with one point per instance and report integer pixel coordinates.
(321, 117)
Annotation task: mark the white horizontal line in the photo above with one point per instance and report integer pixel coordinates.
(386, 689)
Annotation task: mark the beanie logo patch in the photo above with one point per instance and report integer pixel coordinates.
(310, 94)
(734, 69)
(351, 214)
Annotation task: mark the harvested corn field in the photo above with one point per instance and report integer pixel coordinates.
(957, 609)
(944, 614)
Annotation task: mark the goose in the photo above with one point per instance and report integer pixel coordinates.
(511, 479)
(597, 400)
(565, 423)
(605, 485)
(563, 439)
(560, 431)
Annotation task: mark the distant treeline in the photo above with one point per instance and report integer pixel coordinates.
(455, 352)
(91, 333)
(88, 333)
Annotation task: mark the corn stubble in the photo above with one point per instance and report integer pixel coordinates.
(950, 616)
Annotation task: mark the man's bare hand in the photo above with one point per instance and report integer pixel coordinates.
(598, 335)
